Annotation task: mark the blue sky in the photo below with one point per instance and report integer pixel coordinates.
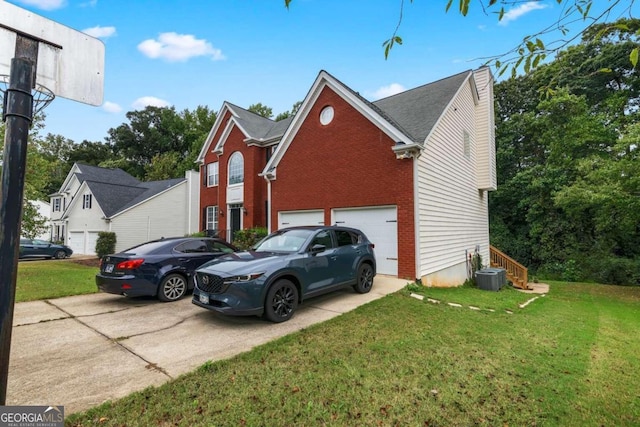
(190, 53)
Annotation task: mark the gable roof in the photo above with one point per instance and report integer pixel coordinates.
(150, 190)
(253, 126)
(98, 174)
(115, 190)
(418, 110)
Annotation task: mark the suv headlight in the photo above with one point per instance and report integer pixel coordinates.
(242, 278)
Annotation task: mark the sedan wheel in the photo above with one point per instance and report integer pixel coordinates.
(172, 288)
(59, 255)
(365, 279)
(281, 302)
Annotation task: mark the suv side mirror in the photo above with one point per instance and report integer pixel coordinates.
(316, 249)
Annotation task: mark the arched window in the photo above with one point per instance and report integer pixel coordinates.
(236, 168)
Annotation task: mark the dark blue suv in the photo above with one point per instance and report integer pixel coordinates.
(285, 268)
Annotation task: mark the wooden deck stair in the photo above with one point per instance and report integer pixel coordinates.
(516, 272)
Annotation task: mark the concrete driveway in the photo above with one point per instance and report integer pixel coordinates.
(81, 351)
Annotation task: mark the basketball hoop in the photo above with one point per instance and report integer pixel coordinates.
(42, 96)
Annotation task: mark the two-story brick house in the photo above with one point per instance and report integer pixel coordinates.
(411, 170)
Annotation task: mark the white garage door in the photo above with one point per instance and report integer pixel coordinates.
(295, 218)
(380, 224)
(92, 239)
(76, 241)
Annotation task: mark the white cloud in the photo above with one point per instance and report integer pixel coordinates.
(386, 91)
(175, 47)
(100, 32)
(111, 107)
(149, 101)
(45, 4)
(521, 10)
(90, 3)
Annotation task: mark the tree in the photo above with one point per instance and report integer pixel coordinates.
(90, 153)
(534, 48)
(154, 132)
(261, 110)
(567, 197)
(287, 114)
(33, 224)
(37, 175)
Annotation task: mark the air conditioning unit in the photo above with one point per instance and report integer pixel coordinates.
(491, 279)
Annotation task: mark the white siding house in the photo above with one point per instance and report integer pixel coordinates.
(455, 171)
(94, 199)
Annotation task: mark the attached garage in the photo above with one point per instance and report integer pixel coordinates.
(76, 241)
(83, 243)
(380, 224)
(92, 239)
(296, 218)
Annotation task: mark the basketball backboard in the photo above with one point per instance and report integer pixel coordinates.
(70, 63)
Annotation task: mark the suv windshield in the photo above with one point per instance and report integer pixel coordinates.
(284, 241)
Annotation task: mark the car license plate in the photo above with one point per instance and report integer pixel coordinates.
(108, 268)
(204, 299)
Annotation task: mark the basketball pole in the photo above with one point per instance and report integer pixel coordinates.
(18, 114)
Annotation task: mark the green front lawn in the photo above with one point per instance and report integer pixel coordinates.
(569, 358)
(47, 279)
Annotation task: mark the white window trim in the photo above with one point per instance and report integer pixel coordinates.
(466, 144)
(213, 176)
(213, 212)
(236, 154)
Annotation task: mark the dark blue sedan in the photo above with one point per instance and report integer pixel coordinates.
(159, 268)
(285, 268)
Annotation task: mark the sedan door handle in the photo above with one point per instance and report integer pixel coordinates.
(333, 258)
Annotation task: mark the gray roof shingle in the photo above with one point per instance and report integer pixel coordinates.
(115, 190)
(258, 127)
(417, 110)
(98, 174)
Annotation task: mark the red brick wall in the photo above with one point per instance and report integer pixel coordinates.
(255, 187)
(347, 163)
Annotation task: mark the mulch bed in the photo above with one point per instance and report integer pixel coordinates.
(90, 262)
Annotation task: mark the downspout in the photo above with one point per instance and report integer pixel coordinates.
(416, 219)
(190, 200)
(268, 205)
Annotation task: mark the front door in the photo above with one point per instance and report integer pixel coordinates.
(235, 220)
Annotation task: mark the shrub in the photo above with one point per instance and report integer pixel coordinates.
(615, 271)
(106, 243)
(197, 234)
(245, 239)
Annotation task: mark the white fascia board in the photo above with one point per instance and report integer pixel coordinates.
(444, 111)
(74, 169)
(325, 80)
(147, 199)
(74, 201)
(225, 134)
(474, 90)
(214, 129)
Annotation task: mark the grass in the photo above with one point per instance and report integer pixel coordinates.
(39, 280)
(569, 358)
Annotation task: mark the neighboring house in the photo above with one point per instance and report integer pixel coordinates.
(94, 199)
(411, 170)
(44, 210)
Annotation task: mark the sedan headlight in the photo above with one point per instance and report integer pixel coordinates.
(242, 278)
